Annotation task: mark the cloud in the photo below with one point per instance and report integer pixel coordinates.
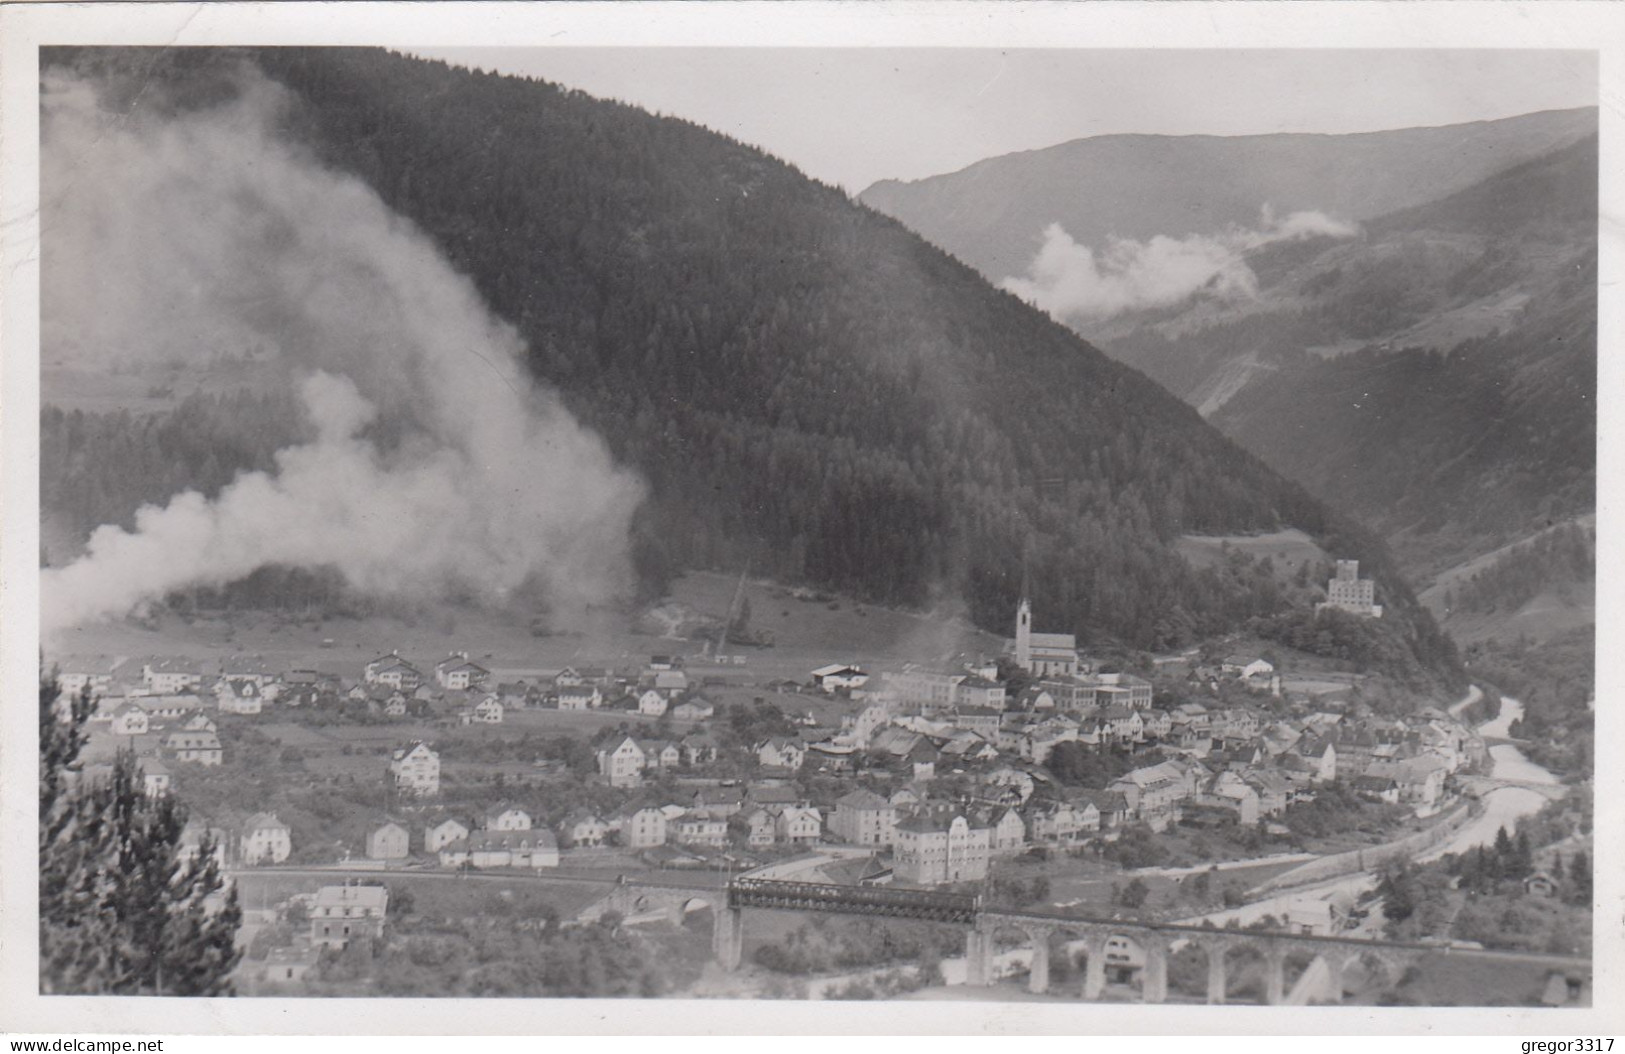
(176, 238)
(1071, 281)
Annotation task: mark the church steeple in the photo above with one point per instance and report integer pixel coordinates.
(1024, 632)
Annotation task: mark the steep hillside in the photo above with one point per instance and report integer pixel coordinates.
(993, 214)
(801, 382)
(1449, 438)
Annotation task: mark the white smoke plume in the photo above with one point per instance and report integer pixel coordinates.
(177, 238)
(1069, 280)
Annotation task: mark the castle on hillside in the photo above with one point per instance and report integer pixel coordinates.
(1043, 654)
(1347, 591)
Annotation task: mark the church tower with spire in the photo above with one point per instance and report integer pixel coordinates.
(1024, 633)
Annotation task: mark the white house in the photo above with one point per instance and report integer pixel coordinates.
(506, 817)
(652, 704)
(457, 674)
(265, 840)
(130, 720)
(239, 697)
(622, 764)
(155, 779)
(394, 671)
(202, 748)
(416, 769)
(437, 836)
(798, 824)
(389, 841)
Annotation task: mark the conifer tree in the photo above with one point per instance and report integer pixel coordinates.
(122, 912)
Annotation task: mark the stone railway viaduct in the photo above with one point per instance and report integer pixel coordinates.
(1102, 938)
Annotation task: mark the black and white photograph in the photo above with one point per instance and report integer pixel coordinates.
(866, 520)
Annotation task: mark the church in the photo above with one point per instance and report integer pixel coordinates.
(1043, 654)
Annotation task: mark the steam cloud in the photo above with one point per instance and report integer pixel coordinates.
(1071, 281)
(178, 238)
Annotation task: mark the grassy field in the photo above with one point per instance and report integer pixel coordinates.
(1289, 549)
(809, 634)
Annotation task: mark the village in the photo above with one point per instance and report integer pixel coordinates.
(955, 774)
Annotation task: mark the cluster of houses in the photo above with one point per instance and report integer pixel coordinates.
(708, 817)
(456, 690)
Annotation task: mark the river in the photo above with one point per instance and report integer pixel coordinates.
(1502, 807)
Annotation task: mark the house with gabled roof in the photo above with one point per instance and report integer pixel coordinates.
(623, 763)
(200, 748)
(458, 673)
(780, 752)
(394, 671)
(505, 817)
(797, 824)
(130, 720)
(416, 768)
(583, 828)
(488, 711)
(239, 697)
(388, 841)
(1009, 831)
(1228, 791)
(155, 778)
(1319, 752)
(699, 748)
(265, 839)
(760, 828)
(438, 835)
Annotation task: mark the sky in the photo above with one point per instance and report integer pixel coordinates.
(851, 116)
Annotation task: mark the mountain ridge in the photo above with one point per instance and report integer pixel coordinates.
(992, 213)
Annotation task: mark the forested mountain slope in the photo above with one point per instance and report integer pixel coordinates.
(802, 382)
